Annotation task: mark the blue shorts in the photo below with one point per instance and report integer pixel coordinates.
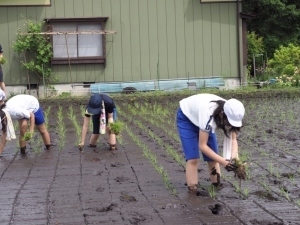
(39, 117)
(96, 121)
(189, 136)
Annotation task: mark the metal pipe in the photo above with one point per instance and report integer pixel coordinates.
(238, 41)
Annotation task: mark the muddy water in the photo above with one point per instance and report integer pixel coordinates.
(98, 186)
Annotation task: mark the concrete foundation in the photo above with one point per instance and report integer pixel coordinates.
(80, 89)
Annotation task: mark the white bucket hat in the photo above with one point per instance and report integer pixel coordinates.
(234, 111)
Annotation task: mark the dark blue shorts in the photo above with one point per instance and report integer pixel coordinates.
(1, 74)
(96, 121)
(39, 117)
(189, 136)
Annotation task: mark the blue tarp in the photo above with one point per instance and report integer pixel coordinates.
(154, 85)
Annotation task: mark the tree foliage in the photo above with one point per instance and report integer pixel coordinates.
(255, 45)
(286, 60)
(36, 48)
(277, 21)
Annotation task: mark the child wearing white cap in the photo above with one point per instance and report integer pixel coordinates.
(198, 117)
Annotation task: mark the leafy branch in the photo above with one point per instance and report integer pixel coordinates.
(36, 49)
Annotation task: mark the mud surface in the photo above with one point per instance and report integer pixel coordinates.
(143, 182)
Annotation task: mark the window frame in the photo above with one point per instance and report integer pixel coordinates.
(79, 60)
(218, 1)
(23, 3)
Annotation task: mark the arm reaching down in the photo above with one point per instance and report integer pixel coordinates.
(85, 127)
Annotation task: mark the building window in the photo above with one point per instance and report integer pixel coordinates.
(78, 40)
(25, 3)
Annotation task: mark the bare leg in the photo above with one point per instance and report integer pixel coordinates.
(191, 172)
(44, 133)
(112, 141)
(94, 138)
(23, 128)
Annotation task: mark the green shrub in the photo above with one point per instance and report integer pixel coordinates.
(292, 80)
(286, 60)
(36, 49)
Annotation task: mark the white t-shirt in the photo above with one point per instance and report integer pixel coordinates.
(20, 106)
(199, 110)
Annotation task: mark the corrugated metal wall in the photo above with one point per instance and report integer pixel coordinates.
(185, 37)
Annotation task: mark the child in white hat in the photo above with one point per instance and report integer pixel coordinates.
(198, 117)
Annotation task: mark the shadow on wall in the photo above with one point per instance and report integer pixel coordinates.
(210, 12)
(193, 11)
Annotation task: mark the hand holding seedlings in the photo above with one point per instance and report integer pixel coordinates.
(115, 127)
(2, 60)
(231, 167)
(240, 172)
(27, 136)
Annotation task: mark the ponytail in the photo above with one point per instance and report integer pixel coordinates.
(3, 118)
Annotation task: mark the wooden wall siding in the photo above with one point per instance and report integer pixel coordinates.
(178, 38)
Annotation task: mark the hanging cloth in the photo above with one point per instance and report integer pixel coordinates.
(102, 119)
(227, 147)
(10, 133)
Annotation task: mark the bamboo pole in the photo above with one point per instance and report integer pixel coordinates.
(70, 32)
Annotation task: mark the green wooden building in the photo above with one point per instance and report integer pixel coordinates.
(145, 40)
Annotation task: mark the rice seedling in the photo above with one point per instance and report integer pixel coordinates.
(61, 129)
(246, 192)
(115, 127)
(27, 136)
(265, 186)
(284, 193)
(3, 60)
(152, 157)
(46, 115)
(212, 191)
(74, 120)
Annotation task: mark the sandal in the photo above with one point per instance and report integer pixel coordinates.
(93, 146)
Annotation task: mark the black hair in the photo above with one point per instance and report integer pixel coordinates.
(3, 118)
(222, 121)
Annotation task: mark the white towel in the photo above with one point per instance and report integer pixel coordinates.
(227, 147)
(102, 119)
(10, 134)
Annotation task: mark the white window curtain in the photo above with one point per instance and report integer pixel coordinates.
(88, 44)
(60, 43)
